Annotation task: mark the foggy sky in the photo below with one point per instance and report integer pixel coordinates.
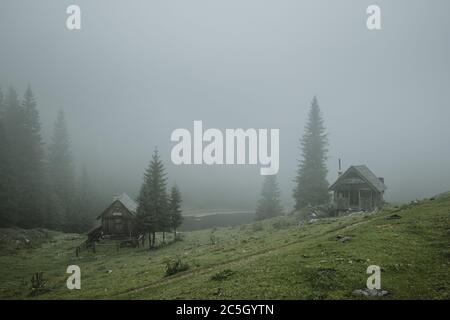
(140, 69)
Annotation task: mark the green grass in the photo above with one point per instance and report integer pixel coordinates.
(274, 259)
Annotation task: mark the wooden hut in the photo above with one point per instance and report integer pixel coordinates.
(118, 220)
(358, 188)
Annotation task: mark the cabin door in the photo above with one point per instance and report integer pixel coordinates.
(118, 225)
(366, 199)
(354, 198)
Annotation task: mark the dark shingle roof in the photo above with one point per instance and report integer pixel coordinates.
(128, 203)
(371, 177)
(364, 173)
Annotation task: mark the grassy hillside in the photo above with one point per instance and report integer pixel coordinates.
(278, 258)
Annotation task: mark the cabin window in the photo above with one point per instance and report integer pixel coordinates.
(117, 214)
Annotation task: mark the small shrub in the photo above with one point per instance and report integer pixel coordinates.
(38, 284)
(222, 275)
(175, 266)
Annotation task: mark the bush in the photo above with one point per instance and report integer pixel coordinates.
(222, 275)
(38, 284)
(175, 266)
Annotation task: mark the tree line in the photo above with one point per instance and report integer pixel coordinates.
(38, 187)
(38, 184)
(158, 210)
(311, 185)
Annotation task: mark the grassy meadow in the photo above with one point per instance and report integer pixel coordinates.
(280, 258)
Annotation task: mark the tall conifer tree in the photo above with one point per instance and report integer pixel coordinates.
(175, 215)
(7, 204)
(15, 141)
(62, 172)
(269, 205)
(84, 203)
(311, 183)
(33, 200)
(153, 202)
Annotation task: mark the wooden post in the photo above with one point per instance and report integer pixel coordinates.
(359, 199)
(371, 200)
(93, 247)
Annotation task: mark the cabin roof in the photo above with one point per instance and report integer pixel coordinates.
(126, 201)
(366, 176)
(129, 203)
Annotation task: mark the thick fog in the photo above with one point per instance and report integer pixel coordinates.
(137, 70)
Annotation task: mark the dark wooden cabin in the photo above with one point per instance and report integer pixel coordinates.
(358, 188)
(118, 220)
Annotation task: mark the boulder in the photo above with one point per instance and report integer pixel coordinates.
(370, 292)
(343, 238)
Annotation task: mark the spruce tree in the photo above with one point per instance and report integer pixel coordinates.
(7, 193)
(25, 158)
(153, 202)
(33, 171)
(311, 183)
(55, 217)
(62, 173)
(175, 210)
(15, 155)
(8, 203)
(269, 205)
(14, 125)
(84, 203)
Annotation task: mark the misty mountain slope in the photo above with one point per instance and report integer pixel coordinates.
(277, 258)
